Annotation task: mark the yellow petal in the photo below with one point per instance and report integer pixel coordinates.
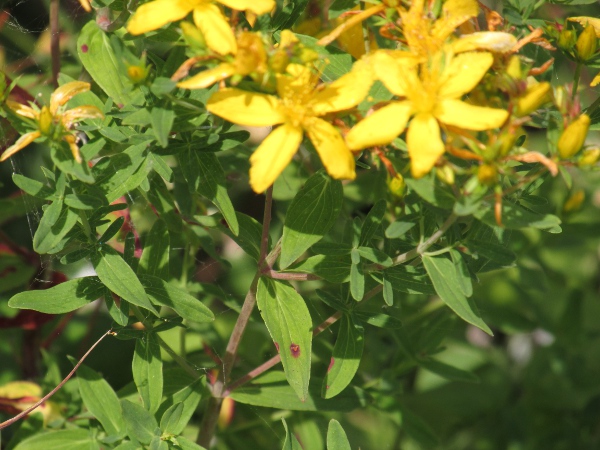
(80, 113)
(208, 77)
(595, 81)
(153, 15)
(381, 127)
(256, 6)
(70, 139)
(494, 41)
(344, 93)
(215, 28)
(454, 14)
(469, 117)
(246, 108)
(584, 21)
(21, 143)
(335, 155)
(463, 73)
(273, 155)
(22, 110)
(298, 82)
(66, 92)
(394, 70)
(424, 143)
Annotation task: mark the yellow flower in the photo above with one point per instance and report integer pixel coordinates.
(585, 21)
(250, 57)
(51, 122)
(573, 137)
(432, 99)
(207, 16)
(493, 41)
(298, 109)
(587, 43)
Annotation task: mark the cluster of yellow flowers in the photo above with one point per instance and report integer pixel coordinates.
(440, 58)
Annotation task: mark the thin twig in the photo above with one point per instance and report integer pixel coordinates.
(53, 391)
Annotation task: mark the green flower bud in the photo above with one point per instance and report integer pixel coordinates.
(445, 174)
(587, 43)
(487, 174)
(534, 97)
(397, 186)
(566, 40)
(45, 122)
(573, 137)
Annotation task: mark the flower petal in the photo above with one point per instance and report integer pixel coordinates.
(246, 108)
(454, 14)
(584, 21)
(80, 113)
(66, 92)
(21, 143)
(153, 15)
(297, 83)
(494, 41)
(256, 6)
(381, 127)
(463, 73)
(273, 155)
(344, 93)
(595, 81)
(469, 117)
(22, 110)
(215, 28)
(395, 69)
(335, 155)
(424, 143)
(72, 141)
(208, 77)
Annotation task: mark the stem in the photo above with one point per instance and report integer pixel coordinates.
(576, 80)
(55, 40)
(358, 18)
(365, 31)
(53, 391)
(211, 416)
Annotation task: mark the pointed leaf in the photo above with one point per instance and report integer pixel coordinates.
(442, 274)
(147, 371)
(289, 323)
(336, 437)
(311, 215)
(290, 443)
(372, 222)
(155, 256)
(140, 424)
(71, 439)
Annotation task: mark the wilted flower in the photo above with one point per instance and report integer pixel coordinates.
(51, 122)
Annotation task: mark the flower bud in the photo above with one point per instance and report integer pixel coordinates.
(514, 68)
(573, 137)
(445, 174)
(137, 74)
(587, 43)
(589, 157)
(534, 97)
(45, 121)
(397, 186)
(487, 174)
(566, 40)
(574, 201)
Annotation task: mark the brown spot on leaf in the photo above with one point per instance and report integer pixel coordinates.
(331, 363)
(295, 349)
(276, 346)
(84, 48)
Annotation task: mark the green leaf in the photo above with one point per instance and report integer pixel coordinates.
(290, 442)
(448, 372)
(375, 255)
(162, 122)
(462, 273)
(289, 323)
(516, 216)
(495, 252)
(378, 319)
(100, 399)
(444, 278)
(114, 272)
(120, 313)
(121, 173)
(165, 294)
(205, 175)
(147, 371)
(311, 215)
(170, 420)
(398, 229)
(287, 16)
(249, 235)
(186, 444)
(357, 280)
(155, 256)
(372, 222)
(338, 7)
(63, 158)
(56, 222)
(60, 299)
(345, 358)
(189, 397)
(71, 439)
(409, 279)
(272, 390)
(336, 437)
(429, 189)
(83, 201)
(163, 201)
(339, 62)
(33, 187)
(97, 54)
(335, 269)
(140, 424)
(112, 229)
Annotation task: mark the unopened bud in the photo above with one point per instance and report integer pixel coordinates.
(487, 174)
(534, 97)
(397, 186)
(137, 74)
(566, 39)
(573, 137)
(445, 174)
(589, 157)
(574, 202)
(587, 43)
(514, 68)
(45, 121)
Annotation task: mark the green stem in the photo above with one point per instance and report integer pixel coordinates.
(576, 80)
